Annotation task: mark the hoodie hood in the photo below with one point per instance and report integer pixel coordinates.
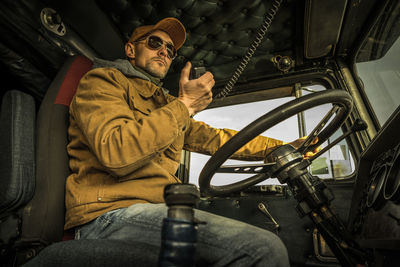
(126, 68)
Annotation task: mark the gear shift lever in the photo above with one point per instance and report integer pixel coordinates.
(179, 230)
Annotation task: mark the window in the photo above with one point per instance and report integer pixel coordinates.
(381, 79)
(335, 163)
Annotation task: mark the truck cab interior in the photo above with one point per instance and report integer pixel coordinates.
(283, 68)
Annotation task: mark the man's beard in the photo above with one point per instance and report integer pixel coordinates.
(152, 70)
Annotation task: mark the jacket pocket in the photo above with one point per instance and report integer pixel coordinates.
(139, 105)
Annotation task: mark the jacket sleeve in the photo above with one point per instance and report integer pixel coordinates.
(202, 138)
(120, 142)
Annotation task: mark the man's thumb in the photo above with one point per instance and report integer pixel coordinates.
(185, 72)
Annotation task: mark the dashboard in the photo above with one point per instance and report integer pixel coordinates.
(375, 212)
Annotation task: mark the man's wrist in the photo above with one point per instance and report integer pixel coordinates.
(190, 111)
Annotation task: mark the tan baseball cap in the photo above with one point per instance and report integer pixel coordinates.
(172, 26)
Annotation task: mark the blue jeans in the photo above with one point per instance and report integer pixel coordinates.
(220, 242)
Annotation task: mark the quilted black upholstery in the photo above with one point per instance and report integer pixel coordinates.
(218, 32)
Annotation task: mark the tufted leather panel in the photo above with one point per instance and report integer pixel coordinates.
(218, 31)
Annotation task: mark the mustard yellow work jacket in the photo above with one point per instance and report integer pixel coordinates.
(126, 136)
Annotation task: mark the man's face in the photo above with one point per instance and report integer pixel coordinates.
(155, 62)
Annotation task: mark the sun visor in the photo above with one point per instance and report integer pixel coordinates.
(322, 25)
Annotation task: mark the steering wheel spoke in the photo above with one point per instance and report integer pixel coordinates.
(317, 130)
(246, 168)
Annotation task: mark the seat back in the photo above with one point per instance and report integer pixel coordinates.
(17, 162)
(43, 217)
(17, 158)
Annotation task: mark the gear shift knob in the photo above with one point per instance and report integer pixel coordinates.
(179, 230)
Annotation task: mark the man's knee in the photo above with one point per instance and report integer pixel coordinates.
(273, 250)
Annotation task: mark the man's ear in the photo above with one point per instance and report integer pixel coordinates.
(130, 50)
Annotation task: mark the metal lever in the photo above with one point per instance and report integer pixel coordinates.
(358, 125)
(264, 210)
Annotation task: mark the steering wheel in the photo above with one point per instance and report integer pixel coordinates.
(342, 105)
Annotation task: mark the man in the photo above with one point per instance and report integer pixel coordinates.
(126, 136)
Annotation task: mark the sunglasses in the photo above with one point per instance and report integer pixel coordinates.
(155, 43)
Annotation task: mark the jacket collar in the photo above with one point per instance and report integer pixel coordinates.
(130, 71)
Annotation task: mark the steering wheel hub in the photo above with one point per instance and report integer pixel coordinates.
(284, 157)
